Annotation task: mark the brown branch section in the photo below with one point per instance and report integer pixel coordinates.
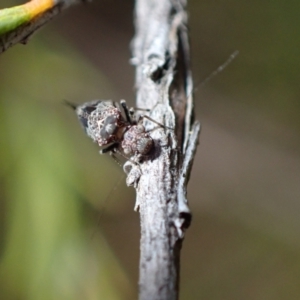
(22, 33)
(164, 86)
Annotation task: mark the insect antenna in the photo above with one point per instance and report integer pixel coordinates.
(219, 69)
(70, 104)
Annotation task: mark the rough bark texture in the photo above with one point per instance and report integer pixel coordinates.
(22, 33)
(164, 86)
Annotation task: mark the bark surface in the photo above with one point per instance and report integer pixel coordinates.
(164, 86)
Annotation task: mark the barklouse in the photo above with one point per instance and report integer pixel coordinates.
(107, 125)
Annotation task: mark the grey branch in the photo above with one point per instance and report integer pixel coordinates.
(164, 85)
(22, 33)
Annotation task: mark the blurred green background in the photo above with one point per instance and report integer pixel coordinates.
(68, 230)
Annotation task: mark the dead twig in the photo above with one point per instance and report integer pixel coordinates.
(164, 86)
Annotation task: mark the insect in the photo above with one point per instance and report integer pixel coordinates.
(107, 125)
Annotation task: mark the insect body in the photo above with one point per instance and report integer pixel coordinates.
(104, 122)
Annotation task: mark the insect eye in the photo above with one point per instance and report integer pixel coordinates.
(110, 128)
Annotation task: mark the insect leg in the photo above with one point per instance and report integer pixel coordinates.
(152, 120)
(111, 148)
(142, 109)
(127, 112)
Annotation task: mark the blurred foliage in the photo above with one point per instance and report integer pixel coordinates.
(266, 71)
(244, 191)
(47, 250)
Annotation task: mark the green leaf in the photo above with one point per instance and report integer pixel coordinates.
(11, 18)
